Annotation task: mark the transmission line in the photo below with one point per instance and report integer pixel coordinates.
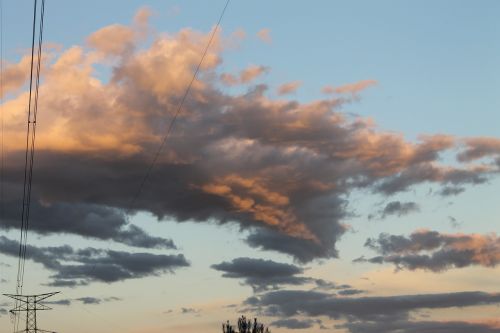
(30, 145)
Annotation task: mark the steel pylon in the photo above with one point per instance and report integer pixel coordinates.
(31, 304)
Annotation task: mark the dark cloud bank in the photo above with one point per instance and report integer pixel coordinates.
(371, 314)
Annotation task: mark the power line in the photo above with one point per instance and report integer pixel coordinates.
(179, 109)
(30, 146)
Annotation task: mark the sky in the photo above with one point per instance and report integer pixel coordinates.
(334, 167)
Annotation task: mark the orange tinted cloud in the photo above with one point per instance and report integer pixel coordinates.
(476, 148)
(265, 35)
(250, 195)
(14, 76)
(112, 40)
(245, 76)
(351, 88)
(289, 87)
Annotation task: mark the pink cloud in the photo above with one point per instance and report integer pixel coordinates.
(265, 35)
(351, 88)
(245, 76)
(289, 87)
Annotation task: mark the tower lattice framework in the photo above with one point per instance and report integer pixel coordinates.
(31, 304)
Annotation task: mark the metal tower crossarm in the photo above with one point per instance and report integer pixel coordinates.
(31, 304)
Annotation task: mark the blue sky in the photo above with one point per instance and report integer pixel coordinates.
(437, 72)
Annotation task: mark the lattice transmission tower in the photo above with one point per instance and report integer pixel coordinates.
(30, 304)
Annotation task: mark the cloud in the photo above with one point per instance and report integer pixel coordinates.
(245, 76)
(451, 190)
(65, 302)
(119, 40)
(399, 208)
(262, 274)
(351, 88)
(402, 325)
(349, 292)
(14, 76)
(72, 267)
(281, 170)
(477, 148)
(89, 300)
(265, 35)
(289, 87)
(287, 303)
(324, 285)
(88, 220)
(454, 223)
(142, 16)
(85, 300)
(293, 323)
(112, 40)
(431, 250)
(190, 311)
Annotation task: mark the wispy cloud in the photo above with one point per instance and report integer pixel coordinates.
(288, 88)
(265, 35)
(350, 88)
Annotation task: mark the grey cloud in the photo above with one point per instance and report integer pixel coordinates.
(409, 326)
(321, 212)
(451, 190)
(286, 303)
(190, 311)
(433, 251)
(88, 265)
(422, 173)
(454, 222)
(88, 220)
(293, 323)
(65, 302)
(262, 274)
(349, 292)
(85, 300)
(89, 300)
(328, 285)
(399, 208)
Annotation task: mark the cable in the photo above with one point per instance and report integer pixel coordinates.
(30, 147)
(23, 222)
(33, 136)
(172, 122)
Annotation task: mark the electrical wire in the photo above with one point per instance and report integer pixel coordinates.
(30, 145)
